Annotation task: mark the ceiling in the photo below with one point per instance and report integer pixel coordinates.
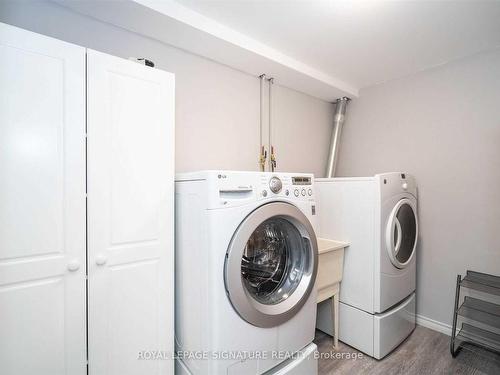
(360, 42)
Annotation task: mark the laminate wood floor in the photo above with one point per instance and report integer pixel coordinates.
(425, 352)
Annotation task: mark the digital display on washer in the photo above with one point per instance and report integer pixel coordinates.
(301, 180)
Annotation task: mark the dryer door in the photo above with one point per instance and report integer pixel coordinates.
(271, 264)
(402, 233)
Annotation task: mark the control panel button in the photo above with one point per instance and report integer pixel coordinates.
(287, 192)
(264, 193)
(275, 185)
(309, 192)
(303, 192)
(296, 192)
(404, 185)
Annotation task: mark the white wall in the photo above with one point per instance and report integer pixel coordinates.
(301, 129)
(217, 108)
(443, 126)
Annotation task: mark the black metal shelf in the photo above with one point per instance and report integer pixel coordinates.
(475, 311)
(481, 337)
(482, 282)
(480, 311)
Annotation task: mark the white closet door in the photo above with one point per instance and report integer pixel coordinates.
(42, 205)
(130, 109)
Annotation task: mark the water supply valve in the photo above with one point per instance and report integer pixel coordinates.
(273, 159)
(262, 159)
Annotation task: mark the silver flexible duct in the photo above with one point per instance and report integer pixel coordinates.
(338, 122)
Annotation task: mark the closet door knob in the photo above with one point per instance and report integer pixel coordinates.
(101, 260)
(74, 265)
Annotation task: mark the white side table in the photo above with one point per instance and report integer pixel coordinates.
(330, 269)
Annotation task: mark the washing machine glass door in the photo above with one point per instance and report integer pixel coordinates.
(271, 264)
(402, 233)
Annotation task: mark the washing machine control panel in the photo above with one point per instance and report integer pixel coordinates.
(287, 185)
(232, 188)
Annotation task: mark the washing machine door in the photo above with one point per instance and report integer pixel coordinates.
(271, 264)
(402, 233)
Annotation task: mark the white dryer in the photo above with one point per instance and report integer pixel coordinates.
(246, 262)
(378, 217)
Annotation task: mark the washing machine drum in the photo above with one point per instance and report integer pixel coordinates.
(271, 264)
(402, 233)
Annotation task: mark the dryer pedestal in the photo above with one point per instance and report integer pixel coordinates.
(377, 334)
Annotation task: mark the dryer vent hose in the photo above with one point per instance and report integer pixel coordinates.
(338, 123)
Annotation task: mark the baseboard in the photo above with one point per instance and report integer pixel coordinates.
(433, 324)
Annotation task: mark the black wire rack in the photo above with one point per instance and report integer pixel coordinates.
(479, 318)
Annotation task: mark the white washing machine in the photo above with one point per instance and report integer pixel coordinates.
(246, 262)
(378, 217)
